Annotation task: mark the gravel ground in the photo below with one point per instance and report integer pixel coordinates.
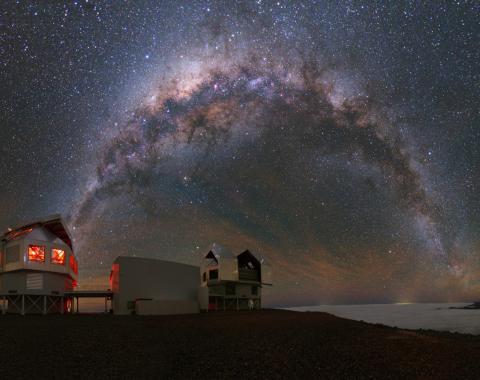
(268, 344)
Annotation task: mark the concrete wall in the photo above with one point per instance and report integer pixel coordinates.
(134, 279)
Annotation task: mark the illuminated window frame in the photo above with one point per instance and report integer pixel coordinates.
(36, 257)
(55, 254)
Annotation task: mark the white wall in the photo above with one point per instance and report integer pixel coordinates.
(136, 278)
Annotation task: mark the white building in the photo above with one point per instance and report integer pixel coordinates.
(37, 266)
(148, 286)
(232, 282)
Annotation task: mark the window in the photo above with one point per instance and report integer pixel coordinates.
(213, 274)
(254, 290)
(36, 253)
(58, 256)
(204, 276)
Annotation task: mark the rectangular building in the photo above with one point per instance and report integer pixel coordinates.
(148, 286)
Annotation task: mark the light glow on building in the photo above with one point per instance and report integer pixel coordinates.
(58, 256)
(73, 265)
(36, 253)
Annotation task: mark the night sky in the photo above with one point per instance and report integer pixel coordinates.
(340, 141)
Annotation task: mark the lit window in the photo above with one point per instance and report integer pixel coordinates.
(58, 256)
(36, 253)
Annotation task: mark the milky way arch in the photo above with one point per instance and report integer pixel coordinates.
(269, 122)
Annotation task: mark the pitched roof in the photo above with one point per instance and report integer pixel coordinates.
(53, 223)
(251, 255)
(217, 251)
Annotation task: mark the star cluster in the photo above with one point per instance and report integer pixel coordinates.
(337, 140)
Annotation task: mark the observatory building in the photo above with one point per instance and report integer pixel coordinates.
(153, 287)
(232, 282)
(37, 267)
(38, 275)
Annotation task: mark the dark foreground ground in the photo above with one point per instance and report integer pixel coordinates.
(266, 344)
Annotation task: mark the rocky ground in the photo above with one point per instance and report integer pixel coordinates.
(267, 344)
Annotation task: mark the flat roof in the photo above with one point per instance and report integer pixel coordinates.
(147, 259)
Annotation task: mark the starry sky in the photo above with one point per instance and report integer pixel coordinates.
(339, 141)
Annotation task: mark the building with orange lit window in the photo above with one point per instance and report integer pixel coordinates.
(37, 267)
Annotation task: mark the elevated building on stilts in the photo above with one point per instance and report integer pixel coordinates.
(37, 268)
(232, 282)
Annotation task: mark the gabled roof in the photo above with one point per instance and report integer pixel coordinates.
(217, 251)
(247, 254)
(53, 223)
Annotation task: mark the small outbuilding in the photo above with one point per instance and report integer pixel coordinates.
(153, 287)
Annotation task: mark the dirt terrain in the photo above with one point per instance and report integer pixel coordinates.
(268, 344)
